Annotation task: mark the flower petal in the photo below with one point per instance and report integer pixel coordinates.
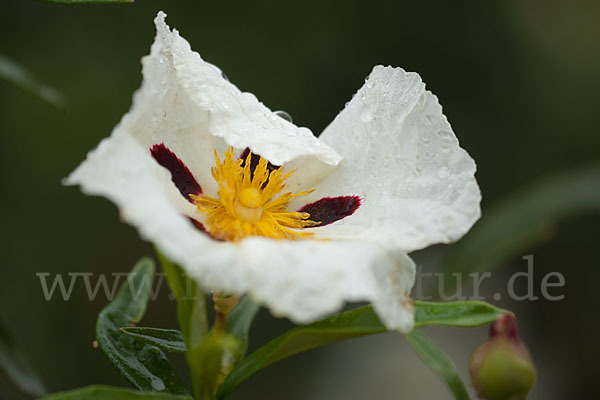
(185, 103)
(402, 158)
(122, 171)
(308, 279)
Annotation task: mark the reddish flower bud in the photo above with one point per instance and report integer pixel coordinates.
(501, 368)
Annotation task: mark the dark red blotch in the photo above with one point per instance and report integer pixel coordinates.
(254, 159)
(200, 226)
(331, 209)
(181, 176)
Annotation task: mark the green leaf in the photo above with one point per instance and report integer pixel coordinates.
(17, 369)
(524, 219)
(17, 75)
(357, 322)
(145, 366)
(98, 392)
(75, 2)
(165, 339)
(463, 314)
(439, 362)
(238, 323)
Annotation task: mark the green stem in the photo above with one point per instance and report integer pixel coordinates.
(193, 321)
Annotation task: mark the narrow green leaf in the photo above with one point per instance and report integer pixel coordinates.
(98, 392)
(165, 339)
(357, 322)
(524, 219)
(75, 2)
(439, 362)
(464, 314)
(17, 369)
(17, 75)
(145, 366)
(238, 323)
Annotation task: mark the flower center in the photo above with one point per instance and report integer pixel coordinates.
(250, 202)
(248, 205)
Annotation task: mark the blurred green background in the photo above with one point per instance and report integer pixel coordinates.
(519, 81)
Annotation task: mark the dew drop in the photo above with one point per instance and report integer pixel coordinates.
(284, 115)
(157, 384)
(446, 143)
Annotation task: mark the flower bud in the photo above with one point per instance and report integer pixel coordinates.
(501, 368)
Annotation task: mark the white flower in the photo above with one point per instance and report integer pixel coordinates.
(385, 178)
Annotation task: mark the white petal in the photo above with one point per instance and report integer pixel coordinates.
(306, 280)
(122, 171)
(187, 104)
(402, 158)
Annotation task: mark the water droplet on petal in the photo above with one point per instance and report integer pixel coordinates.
(446, 143)
(224, 76)
(284, 115)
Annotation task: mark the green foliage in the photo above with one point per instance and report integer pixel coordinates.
(463, 314)
(439, 362)
(16, 368)
(525, 219)
(204, 351)
(111, 393)
(165, 339)
(357, 322)
(144, 365)
(17, 75)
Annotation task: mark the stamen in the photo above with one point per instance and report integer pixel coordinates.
(250, 201)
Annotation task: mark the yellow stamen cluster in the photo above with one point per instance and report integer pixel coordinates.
(251, 204)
